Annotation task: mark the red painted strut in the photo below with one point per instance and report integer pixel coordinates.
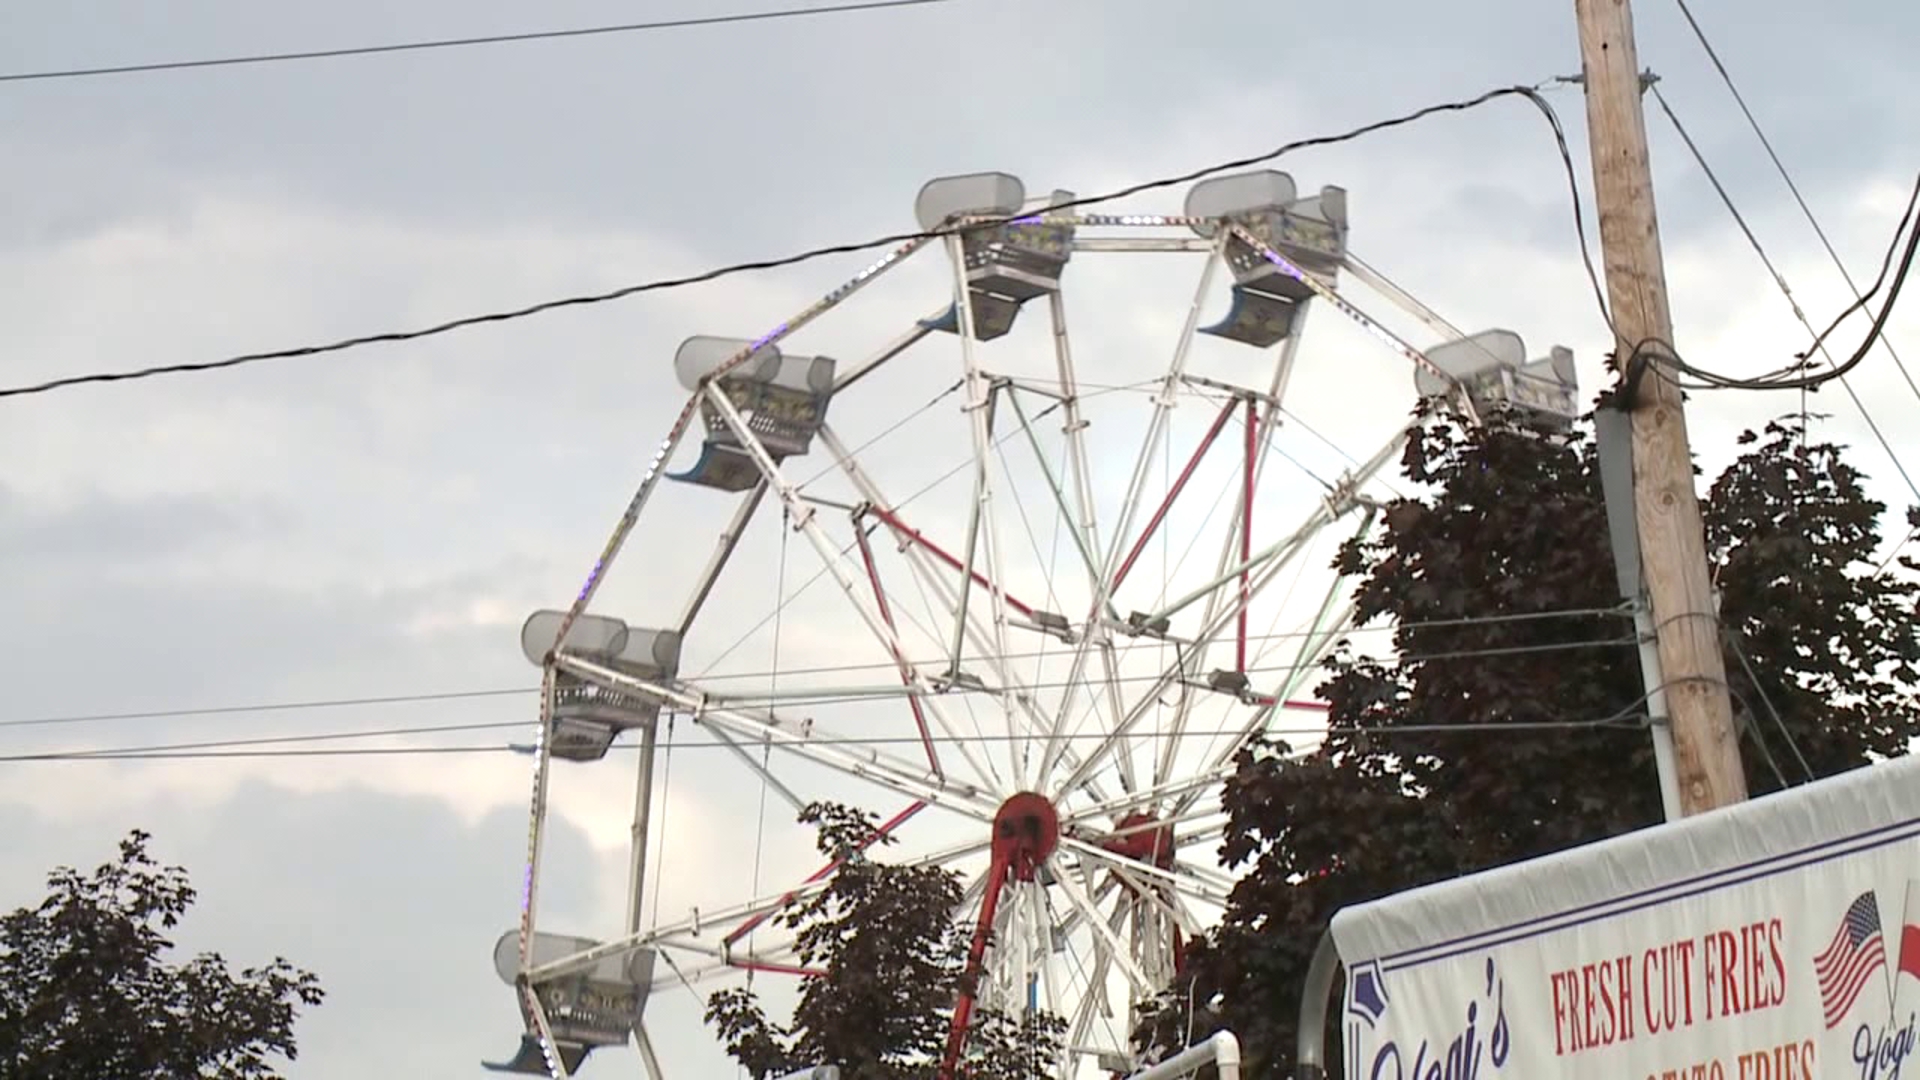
(885, 827)
(1173, 493)
(906, 532)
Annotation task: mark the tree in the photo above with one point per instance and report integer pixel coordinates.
(891, 956)
(1502, 587)
(84, 990)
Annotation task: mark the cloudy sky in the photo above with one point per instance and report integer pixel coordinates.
(377, 522)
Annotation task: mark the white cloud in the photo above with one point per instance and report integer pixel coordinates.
(379, 520)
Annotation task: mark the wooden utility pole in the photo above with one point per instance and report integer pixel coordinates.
(1666, 507)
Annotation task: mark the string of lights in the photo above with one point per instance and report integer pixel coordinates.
(1529, 93)
(462, 42)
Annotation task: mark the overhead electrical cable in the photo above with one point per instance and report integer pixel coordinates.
(368, 700)
(838, 697)
(463, 42)
(1753, 122)
(1726, 200)
(250, 748)
(1651, 354)
(1530, 93)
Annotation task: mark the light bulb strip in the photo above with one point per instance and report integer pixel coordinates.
(651, 479)
(543, 750)
(1340, 303)
(1142, 221)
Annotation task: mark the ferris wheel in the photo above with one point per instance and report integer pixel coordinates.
(1056, 584)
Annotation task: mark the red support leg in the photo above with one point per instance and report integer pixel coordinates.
(1026, 830)
(906, 532)
(976, 963)
(1166, 504)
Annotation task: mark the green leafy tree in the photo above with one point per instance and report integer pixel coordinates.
(85, 990)
(1501, 584)
(891, 956)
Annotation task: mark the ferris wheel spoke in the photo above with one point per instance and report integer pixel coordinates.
(1156, 429)
(1090, 915)
(1097, 1001)
(914, 546)
(1184, 881)
(1083, 516)
(1269, 566)
(801, 740)
(881, 832)
(1145, 799)
(722, 553)
(1080, 521)
(773, 961)
(803, 517)
(1269, 563)
(983, 521)
(1313, 649)
(1221, 882)
(917, 549)
(1259, 433)
(904, 668)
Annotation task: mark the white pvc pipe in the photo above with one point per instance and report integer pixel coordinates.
(1222, 1051)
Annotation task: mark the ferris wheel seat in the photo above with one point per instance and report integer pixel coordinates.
(584, 1010)
(1493, 368)
(723, 468)
(530, 1060)
(1261, 316)
(782, 400)
(586, 715)
(1020, 259)
(992, 316)
(1005, 263)
(1310, 232)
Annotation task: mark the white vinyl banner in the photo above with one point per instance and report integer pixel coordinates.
(1774, 940)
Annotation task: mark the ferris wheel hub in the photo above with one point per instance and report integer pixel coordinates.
(1145, 839)
(1026, 830)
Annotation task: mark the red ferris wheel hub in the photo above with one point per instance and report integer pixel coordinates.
(1026, 830)
(1143, 839)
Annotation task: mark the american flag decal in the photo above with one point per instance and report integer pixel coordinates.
(1856, 953)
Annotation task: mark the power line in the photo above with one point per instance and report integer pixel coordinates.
(1753, 122)
(250, 748)
(1532, 94)
(1651, 354)
(362, 701)
(823, 700)
(280, 706)
(463, 42)
(1726, 200)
